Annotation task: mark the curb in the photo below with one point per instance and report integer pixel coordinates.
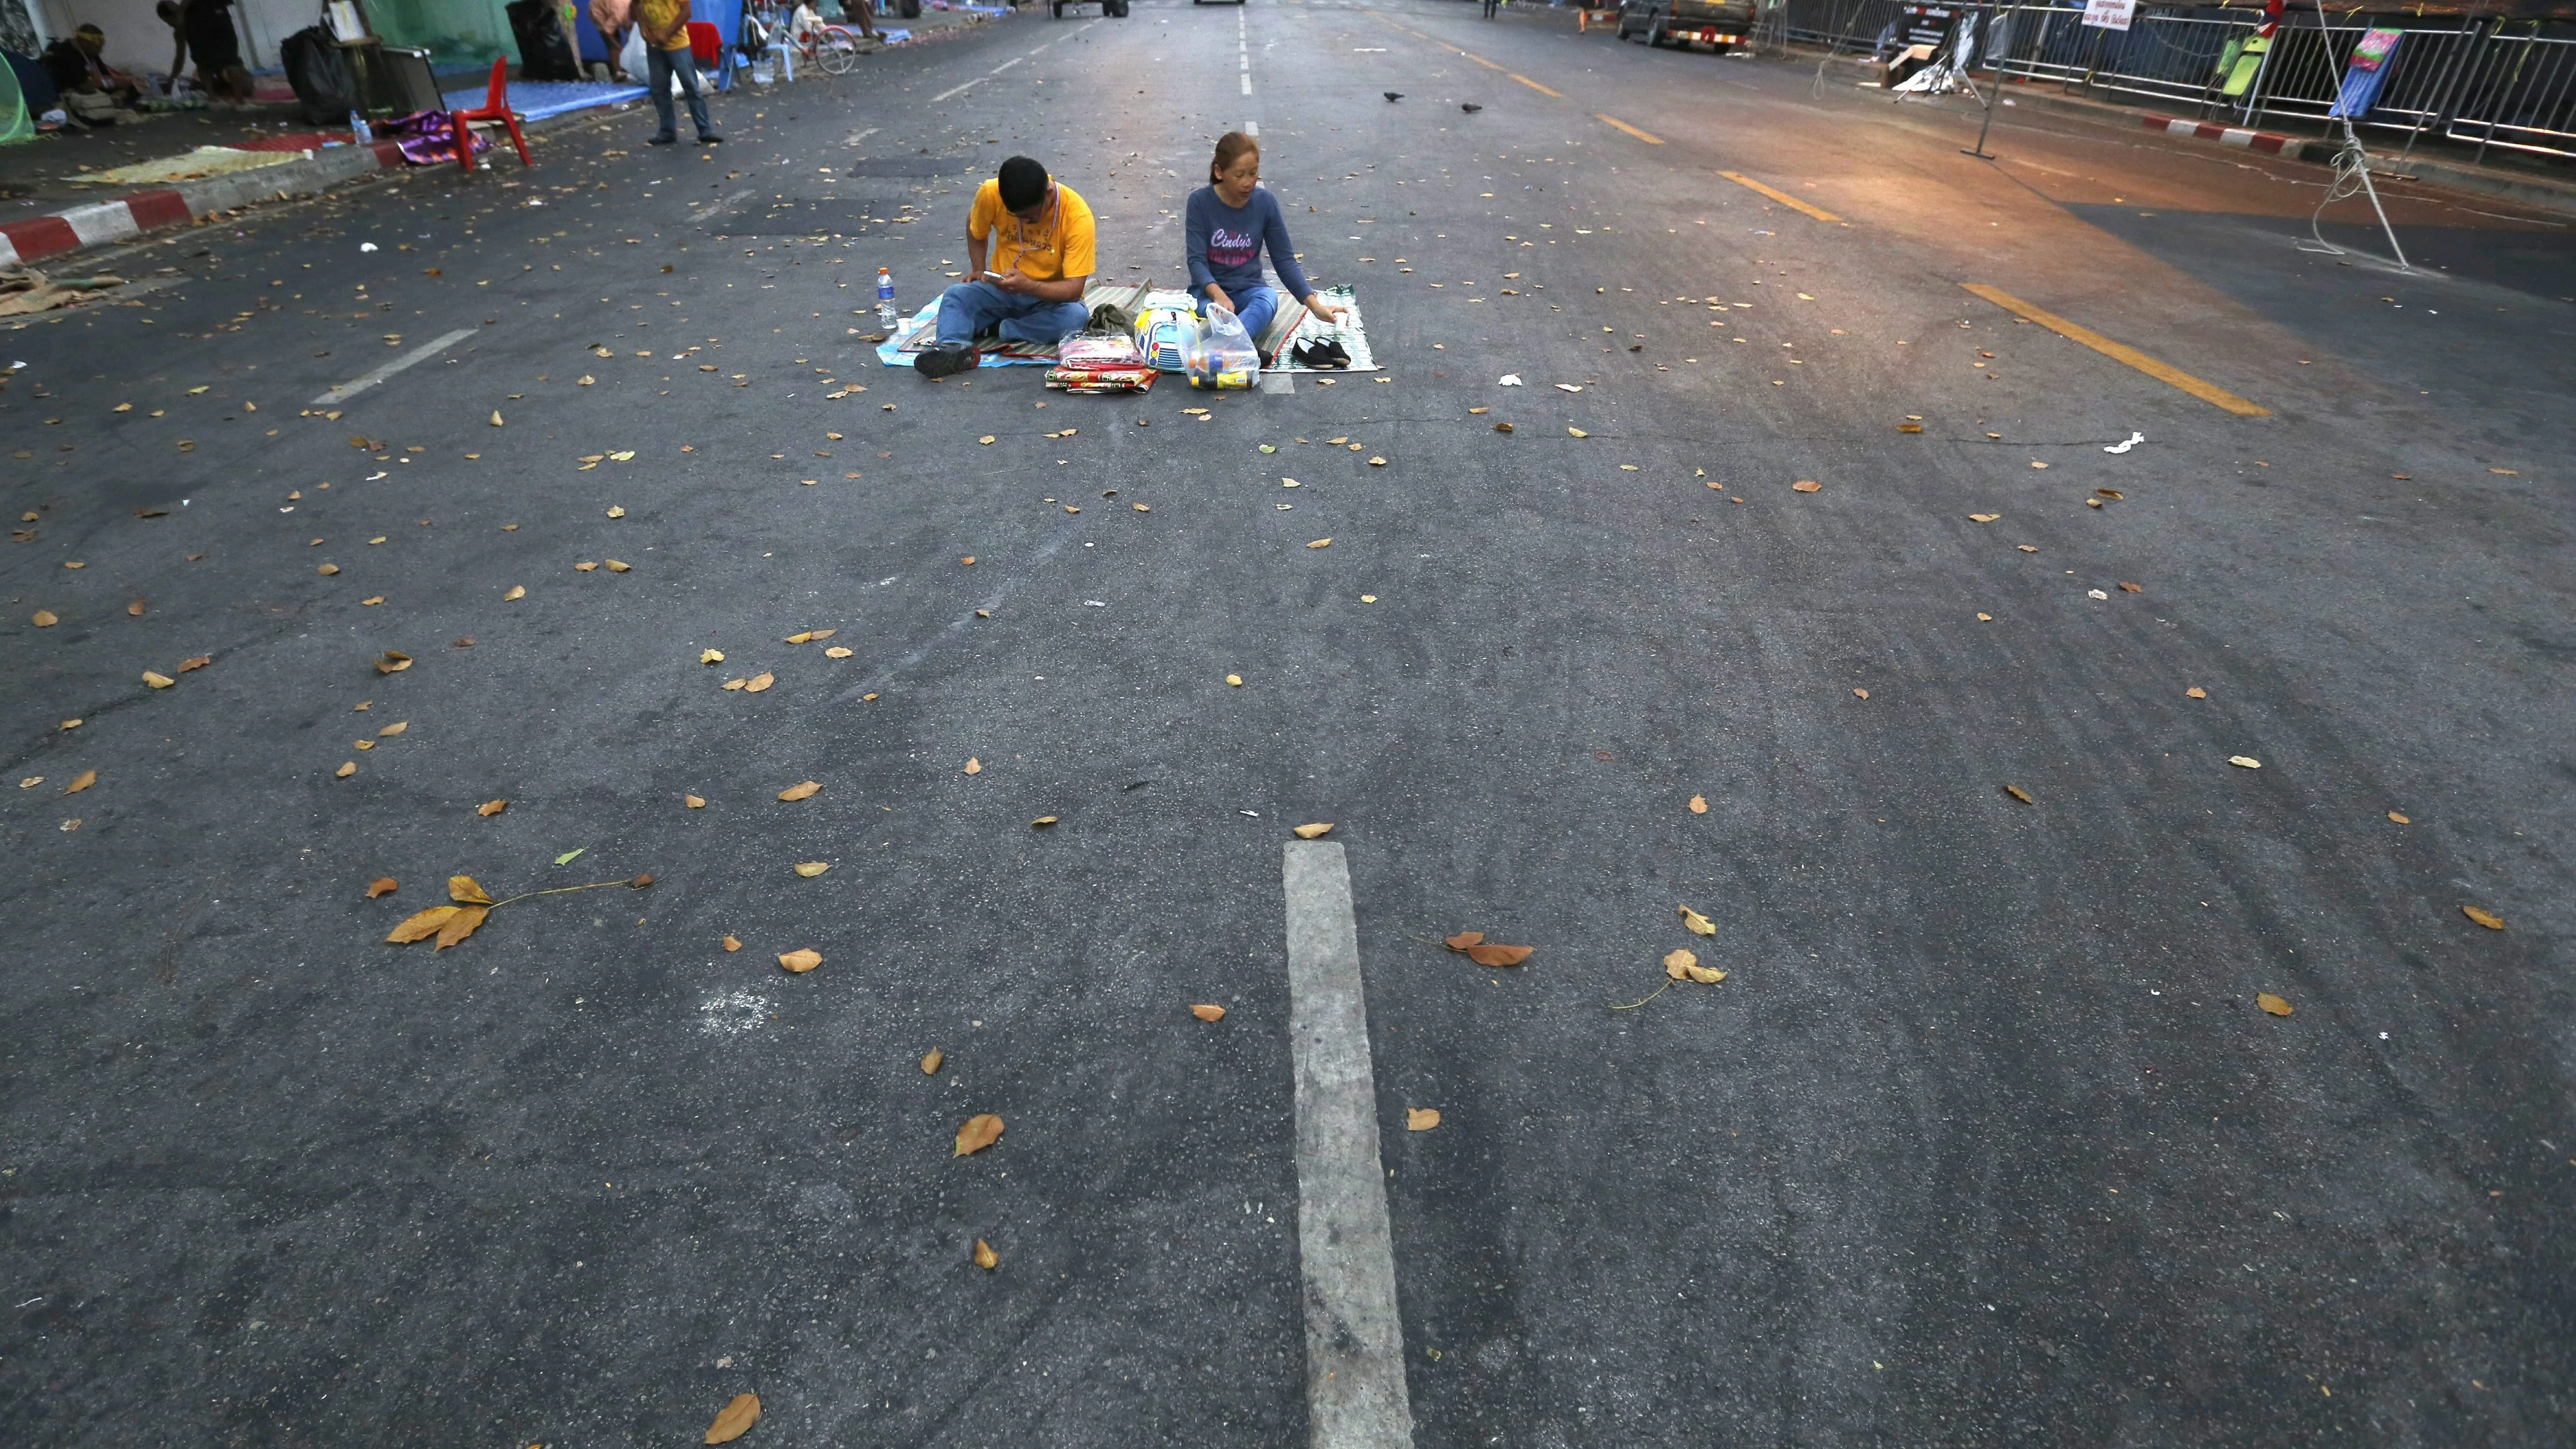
(101, 223)
(2288, 148)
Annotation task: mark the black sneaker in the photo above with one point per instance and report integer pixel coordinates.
(944, 359)
(660, 140)
(711, 140)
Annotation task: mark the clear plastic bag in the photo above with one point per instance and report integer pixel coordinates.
(1224, 355)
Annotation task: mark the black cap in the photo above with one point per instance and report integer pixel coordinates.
(1024, 183)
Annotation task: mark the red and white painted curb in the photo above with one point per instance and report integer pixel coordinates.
(101, 223)
(2288, 147)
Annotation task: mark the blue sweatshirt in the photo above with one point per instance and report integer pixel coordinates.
(1225, 243)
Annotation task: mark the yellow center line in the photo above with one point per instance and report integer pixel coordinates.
(2206, 392)
(1533, 85)
(1651, 140)
(1782, 197)
(1480, 60)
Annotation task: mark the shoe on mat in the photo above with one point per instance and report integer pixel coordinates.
(944, 359)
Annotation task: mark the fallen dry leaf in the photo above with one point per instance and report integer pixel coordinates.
(981, 1131)
(1678, 962)
(930, 1061)
(1807, 485)
(2129, 588)
(711, 656)
(985, 1257)
(1321, 543)
(347, 768)
(46, 619)
(836, 652)
(800, 962)
(195, 662)
(1463, 940)
(80, 782)
(496, 417)
(1502, 427)
(383, 885)
(1860, 693)
(586, 566)
(2488, 919)
(1235, 679)
(391, 730)
(1699, 805)
(1699, 925)
(422, 925)
(2245, 762)
(327, 570)
(392, 661)
(1576, 433)
(517, 591)
(135, 609)
(2037, 464)
(2196, 692)
(2020, 794)
(616, 566)
(806, 637)
(1042, 822)
(973, 766)
(736, 1417)
(617, 512)
(461, 925)
(463, 890)
(731, 944)
(1208, 1013)
(694, 802)
(800, 792)
(1490, 955)
(812, 868)
(2400, 819)
(491, 807)
(1983, 517)
(2271, 1003)
(759, 682)
(1309, 832)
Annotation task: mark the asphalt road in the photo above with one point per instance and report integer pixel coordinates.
(1983, 1139)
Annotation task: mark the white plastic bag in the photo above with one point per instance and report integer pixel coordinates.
(1224, 356)
(630, 56)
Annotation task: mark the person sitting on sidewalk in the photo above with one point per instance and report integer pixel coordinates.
(1044, 248)
(1229, 220)
(94, 92)
(667, 54)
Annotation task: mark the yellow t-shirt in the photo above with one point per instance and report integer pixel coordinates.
(1062, 244)
(654, 14)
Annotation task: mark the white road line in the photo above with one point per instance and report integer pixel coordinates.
(855, 137)
(343, 391)
(1242, 55)
(1355, 1389)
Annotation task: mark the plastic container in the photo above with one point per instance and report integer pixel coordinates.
(360, 133)
(1223, 356)
(885, 298)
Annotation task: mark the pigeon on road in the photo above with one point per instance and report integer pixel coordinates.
(1470, 107)
(1395, 95)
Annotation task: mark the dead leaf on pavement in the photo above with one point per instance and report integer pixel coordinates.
(46, 619)
(1983, 517)
(2400, 819)
(195, 662)
(981, 1131)
(1421, 1119)
(1042, 822)
(383, 885)
(930, 1061)
(985, 1257)
(1677, 963)
(1699, 805)
(801, 961)
(1485, 955)
(2020, 794)
(158, 681)
(1699, 925)
(392, 661)
(2488, 919)
(800, 792)
(711, 656)
(973, 766)
(517, 591)
(618, 566)
(759, 682)
(1807, 485)
(422, 925)
(491, 807)
(1208, 1012)
(347, 768)
(2245, 762)
(81, 781)
(1576, 433)
(812, 868)
(2129, 588)
(461, 925)
(1309, 832)
(694, 802)
(731, 944)
(135, 609)
(463, 890)
(391, 730)
(1463, 940)
(2271, 1003)
(734, 1418)
(1321, 543)
(2196, 692)
(836, 652)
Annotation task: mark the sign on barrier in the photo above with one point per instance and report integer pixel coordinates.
(2110, 14)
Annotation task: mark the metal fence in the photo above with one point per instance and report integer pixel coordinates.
(2490, 83)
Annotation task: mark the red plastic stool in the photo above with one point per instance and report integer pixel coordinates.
(495, 107)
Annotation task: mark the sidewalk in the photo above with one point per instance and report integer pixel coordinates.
(47, 210)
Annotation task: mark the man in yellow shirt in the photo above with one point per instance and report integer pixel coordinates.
(1043, 245)
(666, 49)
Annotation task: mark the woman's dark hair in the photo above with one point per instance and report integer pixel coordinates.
(1229, 149)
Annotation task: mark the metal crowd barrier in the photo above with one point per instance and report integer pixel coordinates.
(2493, 83)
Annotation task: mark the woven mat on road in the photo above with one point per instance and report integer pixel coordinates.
(921, 328)
(1293, 325)
(194, 165)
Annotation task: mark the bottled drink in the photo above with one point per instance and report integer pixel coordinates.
(885, 298)
(360, 133)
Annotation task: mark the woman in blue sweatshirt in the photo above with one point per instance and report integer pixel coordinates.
(1230, 220)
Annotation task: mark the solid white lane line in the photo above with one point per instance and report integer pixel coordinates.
(1355, 1389)
(343, 391)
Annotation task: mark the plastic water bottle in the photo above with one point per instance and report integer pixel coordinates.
(885, 298)
(360, 133)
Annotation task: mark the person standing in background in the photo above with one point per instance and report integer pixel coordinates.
(610, 18)
(666, 43)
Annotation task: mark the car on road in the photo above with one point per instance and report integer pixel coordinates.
(1110, 9)
(1721, 23)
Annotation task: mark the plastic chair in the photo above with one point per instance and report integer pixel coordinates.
(495, 107)
(706, 43)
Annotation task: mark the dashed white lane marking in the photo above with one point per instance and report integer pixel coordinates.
(343, 391)
(1242, 54)
(1355, 1389)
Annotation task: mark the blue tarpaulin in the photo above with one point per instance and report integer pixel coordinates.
(536, 100)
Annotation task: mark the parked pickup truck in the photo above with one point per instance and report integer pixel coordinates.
(1721, 23)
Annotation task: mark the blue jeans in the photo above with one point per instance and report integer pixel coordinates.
(660, 66)
(969, 308)
(1258, 306)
